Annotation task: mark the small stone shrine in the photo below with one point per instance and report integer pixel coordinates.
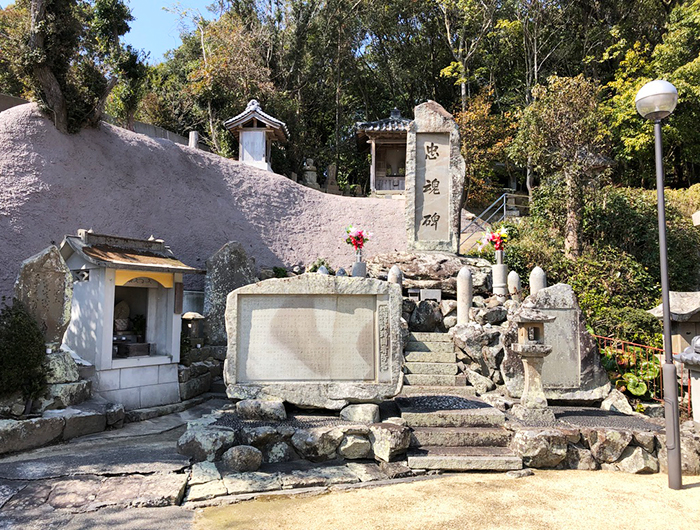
(125, 318)
(572, 372)
(314, 340)
(434, 180)
(685, 318)
(256, 131)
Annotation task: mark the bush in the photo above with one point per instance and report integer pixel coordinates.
(22, 353)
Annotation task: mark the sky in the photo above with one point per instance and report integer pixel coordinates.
(155, 30)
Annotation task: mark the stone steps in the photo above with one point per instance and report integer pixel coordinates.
(432, 356)
(431, 368)
(429, 337)
(435, 380)
(464, 459)
(460, 437)
(486, 417)
(427, 346)
(457, 391)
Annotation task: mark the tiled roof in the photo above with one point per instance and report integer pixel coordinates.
(253, 110)
(394, 123)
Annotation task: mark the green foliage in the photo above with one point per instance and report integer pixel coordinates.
(317, 265)
(279, 272)
(633, 370)
(22, 353)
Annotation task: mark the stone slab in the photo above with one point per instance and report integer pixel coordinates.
(315, 340)
(21, 435)
(433, 356)
(434, 180)
(429, 368)
(427, 346)
(252, 482)
(460, 436)
(466, 459)
(434, 380)
(45, 287)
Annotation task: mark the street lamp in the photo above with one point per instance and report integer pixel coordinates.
(656, 101)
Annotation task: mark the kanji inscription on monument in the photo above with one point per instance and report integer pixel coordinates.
(432, 176)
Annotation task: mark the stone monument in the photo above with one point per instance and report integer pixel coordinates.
(228, 269)
(45, 287)
(572, 372)
(434, 180)
(310, 178)
(314, 340)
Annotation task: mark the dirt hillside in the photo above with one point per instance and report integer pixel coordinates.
(119, 182)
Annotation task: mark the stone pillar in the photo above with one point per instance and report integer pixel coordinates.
(310, 174)
(538, 281)
(359, 269)
(395, 276)
(514, 288)
(194, 139)
(434, 180)
(465, 294)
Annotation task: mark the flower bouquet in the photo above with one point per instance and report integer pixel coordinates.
(357, 238)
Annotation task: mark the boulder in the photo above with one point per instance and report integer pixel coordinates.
(204, 442)
(540, 448)
(607, 445)
(265, 434)
(114, 415)
(436, 270)
(426, 317)
(278, 452)
(16, 436)
(617, 402)
(634, 460)
(259, 409)
(45, 288)
(317, 444)
(61, 368)
(228, 269)
(447, 307)
(578, 457)
(79, 422)
(361, 413)
(449, 322)
(203, 472)
(241, 458)
(62, 395)
(481, 384)
(195, 386)
(493, 315)
(690, 453)
(354, 446)
(389, 440)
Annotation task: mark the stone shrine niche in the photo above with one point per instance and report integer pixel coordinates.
(314, 340)
(434, 180)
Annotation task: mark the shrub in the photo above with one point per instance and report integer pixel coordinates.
(22, 353)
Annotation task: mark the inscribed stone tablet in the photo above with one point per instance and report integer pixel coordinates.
(306, 338)
(432, 186)
(562, 367)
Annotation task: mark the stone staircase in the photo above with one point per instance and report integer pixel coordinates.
(452, 430)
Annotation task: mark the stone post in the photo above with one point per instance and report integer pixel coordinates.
(465, 294)
(538, 281)
(322, 270)
(395, 276)
(500, 275)
(194, 139)
(514, 287)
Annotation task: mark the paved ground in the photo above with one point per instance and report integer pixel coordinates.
(554, 500)
(133, 479)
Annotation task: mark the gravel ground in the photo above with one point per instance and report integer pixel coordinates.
(436, 402)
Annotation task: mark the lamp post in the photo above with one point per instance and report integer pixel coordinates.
(656, 101)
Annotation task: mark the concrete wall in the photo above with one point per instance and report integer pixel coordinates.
(136, 387)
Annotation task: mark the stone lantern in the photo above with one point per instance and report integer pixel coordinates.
(532, 350)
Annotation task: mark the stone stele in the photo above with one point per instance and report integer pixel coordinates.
(434, 180)
(228, 269)
(45, 288)
(572, 372)
(314, 341)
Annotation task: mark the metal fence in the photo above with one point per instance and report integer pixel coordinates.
(643, 363)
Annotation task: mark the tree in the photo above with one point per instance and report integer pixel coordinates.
(73, 57)
(562, 131)
(13, 27)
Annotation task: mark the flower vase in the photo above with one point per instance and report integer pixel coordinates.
(500, 275)
(359, 268)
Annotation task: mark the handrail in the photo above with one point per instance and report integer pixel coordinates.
(499, 206)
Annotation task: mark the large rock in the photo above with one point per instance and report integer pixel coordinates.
(634, 460)
(361, 413)
(242, 458)
(578, 457)
(426, 317)
(690, 453)
(432, 270)
(478, 344)
(62, 395)
(540, 448)
(354, 446)
(607, 445)
(45, 288)
(61, 368)
(572, 372)
(389, 440)
(317, 444)
(228, 269)
(205, 442)
(80, 422)
(316, 341)
(22, 435)
(480, 383)
(259, 409)
(617, 402)
(195, 386)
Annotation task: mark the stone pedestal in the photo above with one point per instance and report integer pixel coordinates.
(533, 403)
